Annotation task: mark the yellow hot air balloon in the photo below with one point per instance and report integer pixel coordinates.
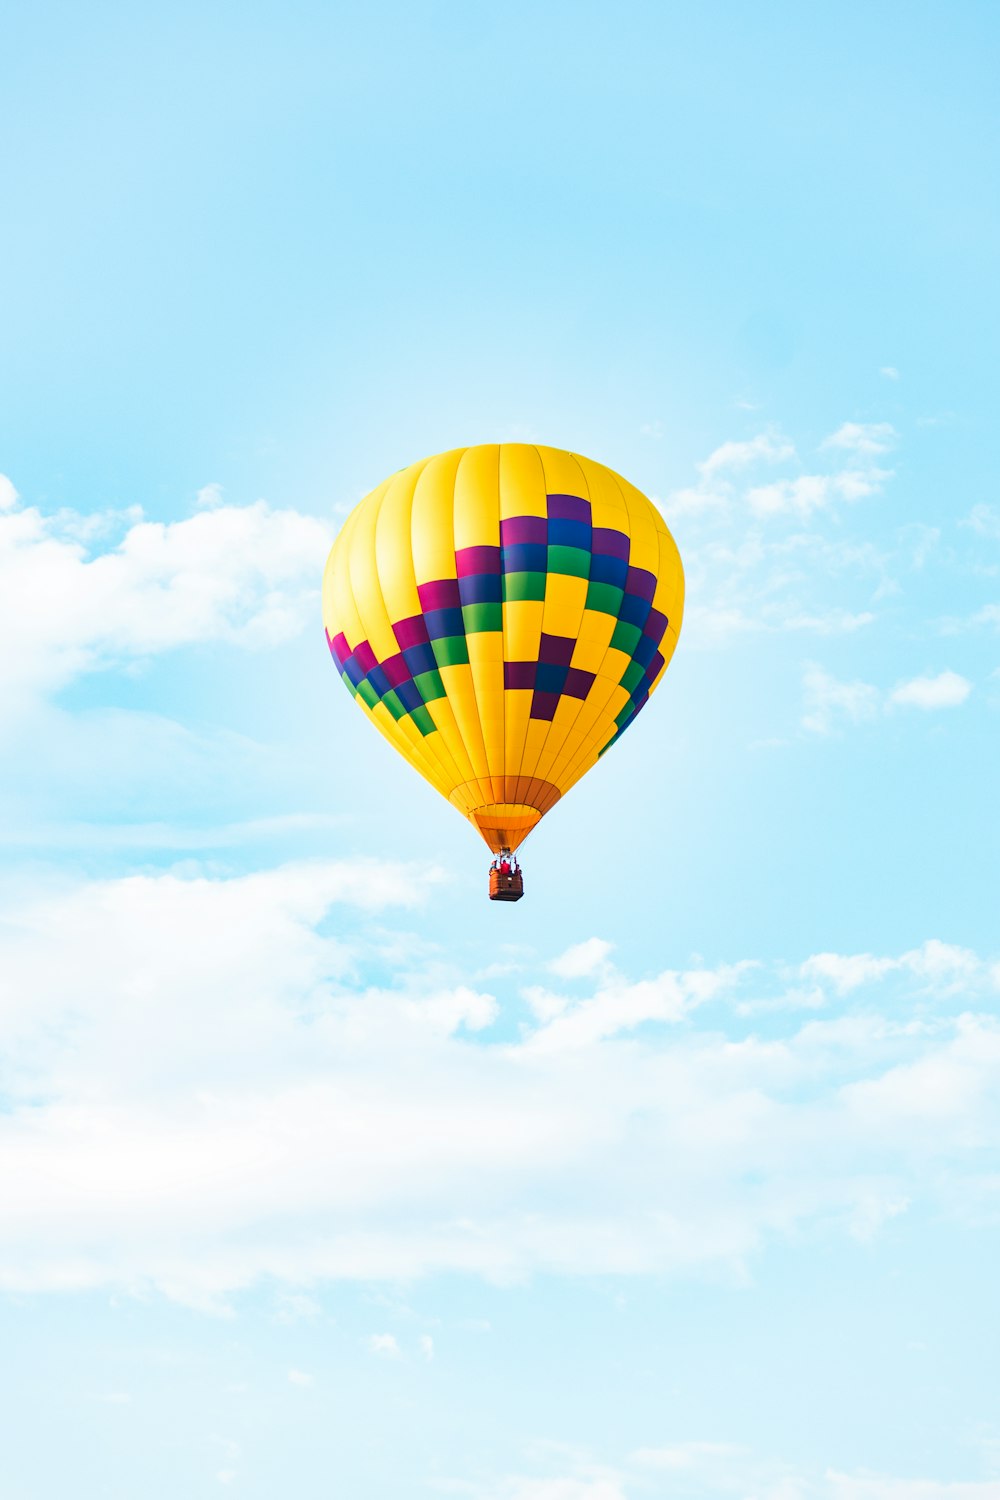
(501, 613)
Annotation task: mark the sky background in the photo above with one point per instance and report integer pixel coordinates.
(319, 1175)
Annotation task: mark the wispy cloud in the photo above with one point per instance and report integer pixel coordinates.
(385, 1345)
(868, 438)
(944, 966)
(946, 690)
(582, 959)
(715, 490)
(769, 447)
(830, 704)
(798, 495)
(809, 493)
(985, 520)
(768, 550)
(834, 622)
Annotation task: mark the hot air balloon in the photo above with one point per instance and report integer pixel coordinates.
(502, 613)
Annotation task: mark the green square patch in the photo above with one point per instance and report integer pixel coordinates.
(626, 637)
(421, 717)
(367, 693)
(429, 686)
(632, 676)
(625, 714)
(525, 586)
(393, 704)
(349, 685)
(605, 598)
(450, 650)
(573, 561)
(480, 617)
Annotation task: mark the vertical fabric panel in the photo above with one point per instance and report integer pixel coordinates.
(477, 544)
(571, 479)
(521, 496)
(395, 571)
(434, 546)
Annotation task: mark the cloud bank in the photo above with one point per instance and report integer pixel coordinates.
(208, 1081)
(74, 599)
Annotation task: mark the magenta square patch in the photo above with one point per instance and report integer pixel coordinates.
(472, 560)
(524, 529)
(568, 508)
(411, 632)
(556, 649)
(544, 705)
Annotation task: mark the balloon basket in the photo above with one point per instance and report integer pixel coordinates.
(506, 885)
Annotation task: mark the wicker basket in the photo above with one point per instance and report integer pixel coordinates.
(506, 886)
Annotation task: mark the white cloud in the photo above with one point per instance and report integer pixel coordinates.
(922, 540)
(936, 1091)
(697, 500)
(830, 703)
(809, 493)
(427, 1346)
(946, 690)
(202, 1090)
(890, 372)
(715, 492)
(839, 1486)
(984, 520)
(300, 1378)
(249, 576)
(704, 1469)
(942, 967)
(869, 438)
(579, 1479)
(8, 494)
(680, 1457)
(620, 1006)
(582, 959)
(572, 1488)
(292, 1307)
(846, 972)
(798, 496)
(385, 1346)
(798, 580)
(834, 622)
(209, 496)
(767, 447)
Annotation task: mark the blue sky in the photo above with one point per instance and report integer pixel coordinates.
(317, 1179)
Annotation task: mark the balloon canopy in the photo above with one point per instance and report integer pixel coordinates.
(502, 613)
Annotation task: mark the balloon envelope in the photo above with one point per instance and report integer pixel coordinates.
(502, 613)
